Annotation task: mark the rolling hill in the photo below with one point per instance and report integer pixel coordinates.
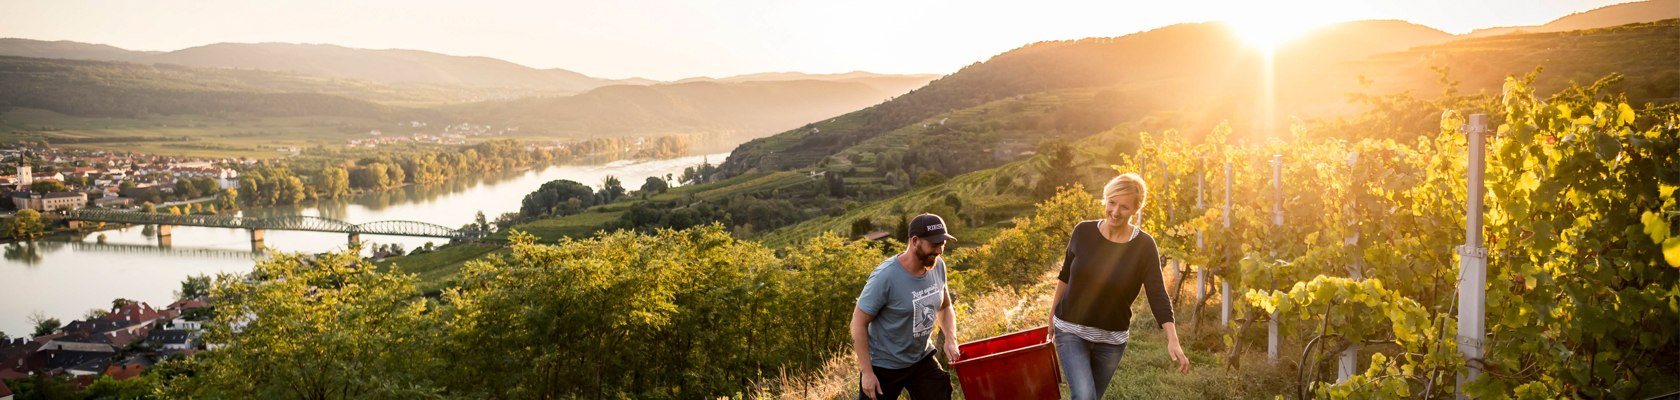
(1202, 71)
(1607, 16)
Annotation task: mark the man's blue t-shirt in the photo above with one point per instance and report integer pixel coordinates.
(905, 308)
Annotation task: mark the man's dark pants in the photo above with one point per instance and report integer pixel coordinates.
(925, 380)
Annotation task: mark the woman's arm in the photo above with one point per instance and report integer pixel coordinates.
(1055, 300)
(1062, 278)
(1173, 349)
(1161, 306)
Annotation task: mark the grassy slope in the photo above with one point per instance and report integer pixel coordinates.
(438, 270)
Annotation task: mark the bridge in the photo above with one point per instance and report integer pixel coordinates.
(258, 226)
(169, 250)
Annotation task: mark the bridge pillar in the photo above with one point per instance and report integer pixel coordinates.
(355, 239)
(77, 224)
(257, 240)
(163, 230)
(166, 241)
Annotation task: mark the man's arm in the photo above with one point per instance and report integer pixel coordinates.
(948, 328)
(860, 349)
(1055, 301)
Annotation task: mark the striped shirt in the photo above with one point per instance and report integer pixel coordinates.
(1091, 334)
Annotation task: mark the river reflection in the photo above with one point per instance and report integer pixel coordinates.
(65, 278)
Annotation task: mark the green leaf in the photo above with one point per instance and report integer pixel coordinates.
(1624, 114)
(1671, 252)
(1606, 146)
(1655, 226)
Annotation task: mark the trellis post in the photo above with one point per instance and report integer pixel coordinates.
(1472, 270)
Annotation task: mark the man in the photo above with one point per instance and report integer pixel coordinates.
(893, 323)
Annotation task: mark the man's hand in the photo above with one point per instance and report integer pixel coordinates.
(952, 352)
(871, 386)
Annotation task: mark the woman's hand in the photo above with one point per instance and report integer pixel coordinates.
(1177, 354)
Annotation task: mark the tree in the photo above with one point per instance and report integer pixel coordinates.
(862, 226)
(334, 183)
(185, 189)
(194, 287)
(136, 388)
(228, 201)
(330, 327)
(482, 224)
(929, 178)
(95, 313)
(42, 386)
(557, 197)
(119, 303)
(25, 225)
(148, 207)
(43, 325)
(507, 220)
(654, 185)
(48, 187)
(611, 189)
(1060, 168)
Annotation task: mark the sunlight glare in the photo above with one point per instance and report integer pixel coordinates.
(1266, 25)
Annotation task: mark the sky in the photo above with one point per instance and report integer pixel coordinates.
(674, 39)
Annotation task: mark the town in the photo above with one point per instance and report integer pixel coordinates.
(108, 346)
(47, 179)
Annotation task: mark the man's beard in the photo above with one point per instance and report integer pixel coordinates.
(923, 258)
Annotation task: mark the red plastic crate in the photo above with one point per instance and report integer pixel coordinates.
(1020, 365)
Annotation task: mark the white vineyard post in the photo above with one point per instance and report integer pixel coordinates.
(1349, 363)
(1201, 290)
(1225, 282)
(1277, 220)
(1472, 270)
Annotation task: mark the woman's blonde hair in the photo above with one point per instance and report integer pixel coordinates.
(1128, 183)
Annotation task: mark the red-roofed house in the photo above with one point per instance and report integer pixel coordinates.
(5, 392)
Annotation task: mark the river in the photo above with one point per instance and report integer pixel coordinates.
(64, 279)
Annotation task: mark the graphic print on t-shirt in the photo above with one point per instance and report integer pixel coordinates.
(926, 304)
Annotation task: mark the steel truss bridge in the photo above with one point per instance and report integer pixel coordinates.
(288, 223)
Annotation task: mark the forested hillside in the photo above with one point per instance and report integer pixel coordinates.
(1202, 70)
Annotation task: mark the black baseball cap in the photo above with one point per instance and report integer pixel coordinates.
(930, 227)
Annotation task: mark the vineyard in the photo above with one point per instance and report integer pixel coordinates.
(1351, 250)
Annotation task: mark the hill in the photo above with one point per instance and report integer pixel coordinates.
(331, 61)
(127, 90)
(713, 115)
(68, 50)
(736, 110)
(885, 82)
(1205, 73)
(1607, 16)
(378, 65)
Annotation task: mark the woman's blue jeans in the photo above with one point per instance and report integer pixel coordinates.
(1087, 366)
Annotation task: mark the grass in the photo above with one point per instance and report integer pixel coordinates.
(1146, 371)
(439, 269)
(575, 226)
(597, 218)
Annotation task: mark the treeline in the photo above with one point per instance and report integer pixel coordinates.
(672, 314)
(277, 182)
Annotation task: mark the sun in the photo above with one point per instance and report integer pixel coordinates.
(1267, 34)
(1267, 25)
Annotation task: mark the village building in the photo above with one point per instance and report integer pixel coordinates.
(24, 199)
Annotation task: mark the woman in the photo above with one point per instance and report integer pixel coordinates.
(1108, 261)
